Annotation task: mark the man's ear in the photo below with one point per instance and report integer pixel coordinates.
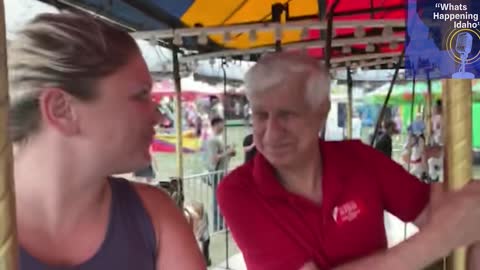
(57, 111)
(326, 106)
(322, 113)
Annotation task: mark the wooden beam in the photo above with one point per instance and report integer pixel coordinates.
(8, 231)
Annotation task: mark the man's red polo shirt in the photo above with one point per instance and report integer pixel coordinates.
(277, 230)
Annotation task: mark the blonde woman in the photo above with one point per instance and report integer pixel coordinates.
(81, 111)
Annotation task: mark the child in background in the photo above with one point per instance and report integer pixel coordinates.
(414, 154)
(198, 218)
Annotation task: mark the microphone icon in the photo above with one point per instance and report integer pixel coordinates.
(463, 46)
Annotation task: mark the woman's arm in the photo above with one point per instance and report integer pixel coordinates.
(176, 245)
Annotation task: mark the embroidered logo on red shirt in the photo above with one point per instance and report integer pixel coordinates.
(347, 212)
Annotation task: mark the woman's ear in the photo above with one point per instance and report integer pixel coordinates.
(57, 111)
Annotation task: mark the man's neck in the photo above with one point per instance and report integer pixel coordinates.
(304, 179)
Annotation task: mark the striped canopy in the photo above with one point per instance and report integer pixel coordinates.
(144, 15)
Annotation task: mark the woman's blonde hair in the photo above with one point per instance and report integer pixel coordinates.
(67, 51)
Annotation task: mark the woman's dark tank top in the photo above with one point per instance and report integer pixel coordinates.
(129, 242)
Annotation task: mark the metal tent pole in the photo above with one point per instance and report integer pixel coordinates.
(428, 110)
(224, 63)
(178, 121)
(385, 103)
(350, 103)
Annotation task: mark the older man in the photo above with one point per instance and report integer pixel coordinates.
(303, 203)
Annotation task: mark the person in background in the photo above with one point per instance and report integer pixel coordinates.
(384, 142)
(81, 111)
(247, 114)
(216, 108)
(217, 158)
(414, 155)
(198, 125)
(217, 155)
(249, 149)
(397, 119)
(435, 162)
(437, 123)
(198, 218)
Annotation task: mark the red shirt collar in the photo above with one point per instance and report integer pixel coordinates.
(269, 186)
(265, 179)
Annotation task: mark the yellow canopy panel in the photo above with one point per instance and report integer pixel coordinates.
(218, 13)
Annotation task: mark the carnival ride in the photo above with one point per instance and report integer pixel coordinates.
(344, 34)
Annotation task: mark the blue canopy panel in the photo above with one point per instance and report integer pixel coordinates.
(174, 8)
(142, 15)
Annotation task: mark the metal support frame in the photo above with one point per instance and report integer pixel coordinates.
(412, 118)
(384, 107)
(329, 33)
(266, 26)
(224, 71)
(307, 44)
(350, 102)
(277, 10)
(412, 108)
(428, 114)
(322, 14)
(178, 121)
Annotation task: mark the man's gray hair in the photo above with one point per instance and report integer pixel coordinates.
(277, 69)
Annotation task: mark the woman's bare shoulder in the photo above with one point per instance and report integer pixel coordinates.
(174, 235)
(157, 201)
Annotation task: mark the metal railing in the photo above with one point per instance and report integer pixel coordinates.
(201, 188)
